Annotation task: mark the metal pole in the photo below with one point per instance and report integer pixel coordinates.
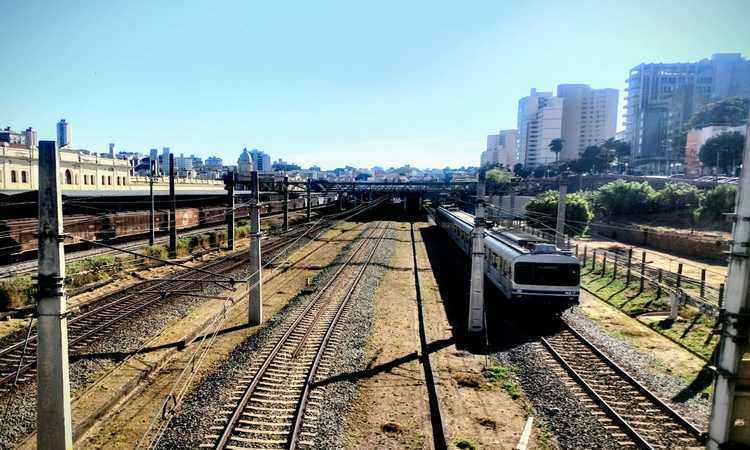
(152, 212)
(309, 199)
(630, 263)
(172, 211)
(679, 275)
(703, 282)
(476, 291)
(229, 181)
(643, 268)
(727, 423)
(54, 423)
(255, 303)
(560, 233)
(285, 188)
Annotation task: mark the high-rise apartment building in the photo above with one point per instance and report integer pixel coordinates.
(589, 117)
(261, 160)
(662, 97)
(63, 133)
(539, 122)
(502, 148)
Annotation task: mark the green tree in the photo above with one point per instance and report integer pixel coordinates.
(521, 171)
(723, 151)
(597, 158)
(677, 197)
(543, 208)
(622, 197)
(499, 181)
(556, 146)
(731, 111)
(620, 149)
(716, 202)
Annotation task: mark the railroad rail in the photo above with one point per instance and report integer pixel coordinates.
(631, 413)
(273, 405)
(18, 358)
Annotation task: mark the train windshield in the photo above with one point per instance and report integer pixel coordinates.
(547, 274)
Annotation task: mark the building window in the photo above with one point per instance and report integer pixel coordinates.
(109, 180)
(85, 179)
(13, 177)
(23, 176)
(68, 177)
(104, 180)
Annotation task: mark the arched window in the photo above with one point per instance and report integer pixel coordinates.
(109, 180)
(68, 177)
(118, 181)
(85, 179)
(104, 180)
(13, 176)
(23, 177)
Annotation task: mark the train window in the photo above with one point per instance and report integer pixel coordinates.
(546, 274)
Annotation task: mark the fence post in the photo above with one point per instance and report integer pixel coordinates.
(643, 268)
(674, 309)
(604, 264)
(614, 269)
(593, 261)
(630, 262)
(585, 251)
(703, 282)
(679, 275)
(658, 284)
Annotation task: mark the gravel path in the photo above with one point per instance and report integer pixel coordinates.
(201, 406)
(108, 350)
(642, 367)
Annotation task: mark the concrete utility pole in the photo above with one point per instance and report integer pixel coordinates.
(255, 303)
(172, 211)
(729, 425)
(476, 291)
(285, 187)
(152, 212)
(54, 424)
(562, 196)
(309, 199)
(229, 181)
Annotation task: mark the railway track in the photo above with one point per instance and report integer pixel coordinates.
(273, 405)
(633, 415)
(18, 357)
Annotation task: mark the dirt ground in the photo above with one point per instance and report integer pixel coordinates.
(392, 408)
(129, 419)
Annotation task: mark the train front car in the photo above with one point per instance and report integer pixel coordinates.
(532, 272)
(548, 280)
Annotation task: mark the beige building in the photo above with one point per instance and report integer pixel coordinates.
(695, 140)
(501, 149)
(539, 122)
(81, 171)
(589, 117)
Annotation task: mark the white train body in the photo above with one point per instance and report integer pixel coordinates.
(525, 268)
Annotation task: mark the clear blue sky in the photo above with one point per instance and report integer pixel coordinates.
(332, 83)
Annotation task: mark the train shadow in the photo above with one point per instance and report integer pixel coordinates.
(508, 326)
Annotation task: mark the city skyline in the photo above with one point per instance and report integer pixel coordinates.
(426, 93)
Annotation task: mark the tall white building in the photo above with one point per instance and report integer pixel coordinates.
(261, 160)
(502, 148)
(539, 122)
(589, 117)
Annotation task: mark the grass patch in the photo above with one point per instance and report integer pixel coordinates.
(691, 329)
(465, 444)
(498, 375)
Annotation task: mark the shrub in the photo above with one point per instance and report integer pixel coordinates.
(16, 292)
(90, 270)
(183, 246)
(543, 208)
(622, 197)
(156, 251)
(242, 231)
(716, 202)
(677, 196)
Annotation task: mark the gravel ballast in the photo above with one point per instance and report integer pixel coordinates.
(196, 414)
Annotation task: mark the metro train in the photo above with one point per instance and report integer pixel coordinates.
(528, 270)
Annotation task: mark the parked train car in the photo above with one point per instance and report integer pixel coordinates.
(527, 269)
